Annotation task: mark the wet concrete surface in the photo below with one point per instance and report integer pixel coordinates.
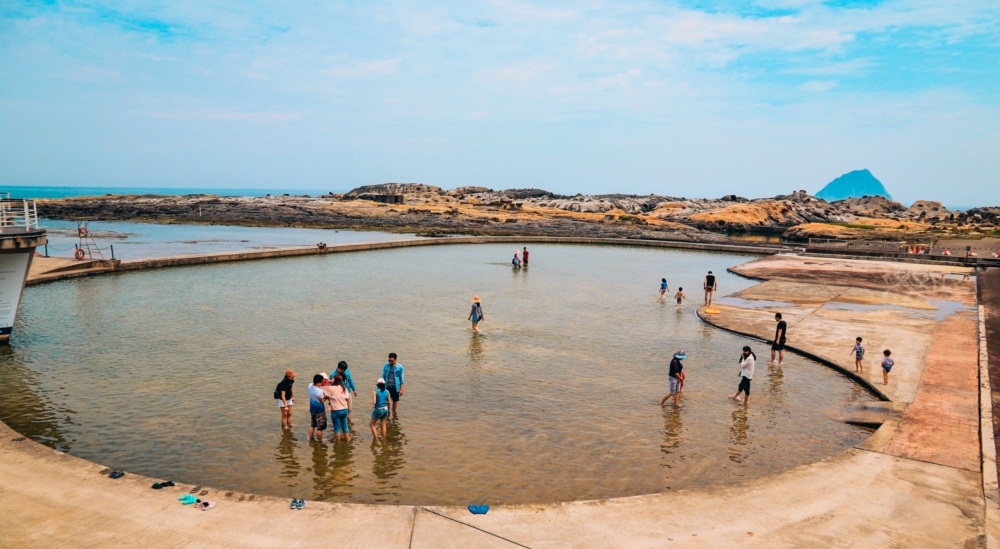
(989, 285)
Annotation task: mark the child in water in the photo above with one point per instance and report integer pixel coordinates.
(679, 296)
(380, 408)
(887, 364)
(859, 353)
(663, 288)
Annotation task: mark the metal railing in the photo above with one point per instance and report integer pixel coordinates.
(18, 214)
(858, 245)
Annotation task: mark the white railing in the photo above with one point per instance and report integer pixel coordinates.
(18, 214)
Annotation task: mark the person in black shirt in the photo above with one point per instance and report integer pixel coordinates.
(710, 286)
(283, 394)
(779, 339)
(676, 376)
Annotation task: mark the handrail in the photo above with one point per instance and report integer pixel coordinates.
(18, 213)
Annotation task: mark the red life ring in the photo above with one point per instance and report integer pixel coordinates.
(79, 254)
(82, 232)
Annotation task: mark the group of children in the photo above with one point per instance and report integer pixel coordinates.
(335, 394)
(859, 354)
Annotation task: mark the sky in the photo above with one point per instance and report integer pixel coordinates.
(693, 98)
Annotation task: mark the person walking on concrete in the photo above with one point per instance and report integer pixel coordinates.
(887, 364)
(676, 374)
(710, 285)
(283, 394)
(747, 360)
(476, 314)
(778, 344)
(392, 373)
(859, 355)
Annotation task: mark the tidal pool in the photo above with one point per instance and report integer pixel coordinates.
(170, 374)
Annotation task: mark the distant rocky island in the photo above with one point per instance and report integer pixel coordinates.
(856, 184)
(433, 211)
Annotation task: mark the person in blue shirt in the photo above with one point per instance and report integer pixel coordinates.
(663, 288)
(392, 373)
(317, 407)
(380, 408)
(348, 384)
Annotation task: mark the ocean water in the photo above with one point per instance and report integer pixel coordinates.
(32, 192)
(170, 373)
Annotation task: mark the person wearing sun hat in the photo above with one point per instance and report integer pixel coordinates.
(476, 315)
(676, 374)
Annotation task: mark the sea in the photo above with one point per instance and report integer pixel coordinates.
(33, 191)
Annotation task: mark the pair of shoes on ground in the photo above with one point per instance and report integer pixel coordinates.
(297, 504)
(161, 485)
(116, 473)
(479, 509)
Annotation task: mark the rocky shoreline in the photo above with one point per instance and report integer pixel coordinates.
(428, 210)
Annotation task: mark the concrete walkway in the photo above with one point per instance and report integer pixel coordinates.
(916, 482)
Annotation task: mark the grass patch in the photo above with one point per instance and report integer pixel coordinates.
(853, 225)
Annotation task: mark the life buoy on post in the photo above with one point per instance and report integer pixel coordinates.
(79, 254)
(82, 231)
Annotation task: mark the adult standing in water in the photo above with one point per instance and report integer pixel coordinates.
(516, 262)
(710, 286)
(779, 339)
(524, 256)
(392, 373)
(676, 369)
(283, 394)
(476, 315)
(747, 360)
(337, 394)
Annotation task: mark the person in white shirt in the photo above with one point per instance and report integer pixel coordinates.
(747, 360)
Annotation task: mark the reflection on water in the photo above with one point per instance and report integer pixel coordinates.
(285, 455)
(739, 434)
(559, 394)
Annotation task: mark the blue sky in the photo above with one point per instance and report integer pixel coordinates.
(689, 98)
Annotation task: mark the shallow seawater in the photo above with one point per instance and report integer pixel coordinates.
(170, 373)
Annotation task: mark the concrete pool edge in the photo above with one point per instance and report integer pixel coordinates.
(55, 269)
(855, 498)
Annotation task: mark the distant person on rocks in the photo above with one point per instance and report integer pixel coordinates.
(663, 288)
(524, 256)
(710, 286)
(887, 364)
(778, 344)
(476, 315)
(317, 407)
(676, 377)
(337, 395)
(747, 360)
(352, 389)
(283, 394)
(392, 373)
(380, 408)
(516, 262)
(679, 296)
(859, 354)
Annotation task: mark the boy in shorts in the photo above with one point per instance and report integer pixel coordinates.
(380, 408)
(317, 407)
(887, 364)
(859, 353)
